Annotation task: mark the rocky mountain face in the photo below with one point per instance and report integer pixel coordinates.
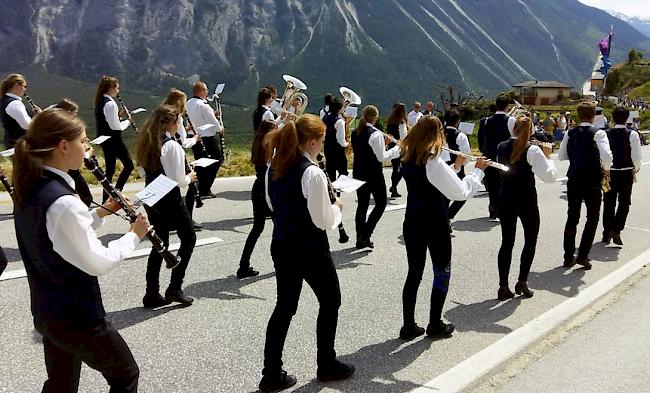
(641, 24)
(386, 50)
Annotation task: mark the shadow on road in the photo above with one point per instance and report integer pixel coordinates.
(226, 288)
(229, 225)
(482, 316)
(132, 316)
(235, 195)
(604, 253)
(481, 224)
(12, 254)
(560, 280)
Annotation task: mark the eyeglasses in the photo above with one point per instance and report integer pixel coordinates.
(86, 141)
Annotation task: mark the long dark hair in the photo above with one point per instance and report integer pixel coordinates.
(46, 130)
(148, 142)
(105, 84)
(398, 115)
(258, 155)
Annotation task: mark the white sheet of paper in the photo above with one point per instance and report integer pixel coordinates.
(276, 107)
(351, 111)
(633, 115)
(99, 140)
(219, 89)
(137, 110)
(8, 153)
(157, 189)
(467, 128)
(347, 184)
(204, 162)
(205, 126)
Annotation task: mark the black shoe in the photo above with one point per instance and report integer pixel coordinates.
(616, 238)
(197, 227)
(154, 300)
(607, 238)
(343, 237)
(504, 294)
(522, 289)
(277, 383)
(250, 272)
(584, 261)
(335, 371)
(440, 330)
(451, 230)
(178, 296)
(408, 333)
(569, 262)
(208, 196)
(493, 218)
(365, 243)
(394, 193)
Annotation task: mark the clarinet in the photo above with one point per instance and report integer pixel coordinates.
(91, 163)
(31, 103)
(193, 186)
(196, 132)
(221, 138)
(8, 186)
(119, 99)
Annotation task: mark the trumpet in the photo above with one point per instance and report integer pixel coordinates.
(292, 93)
(515, 108)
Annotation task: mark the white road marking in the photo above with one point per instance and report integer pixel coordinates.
(140, 252)
(637, 229)
(476, 366)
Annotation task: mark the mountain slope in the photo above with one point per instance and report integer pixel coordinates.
(641, 24)
(385, 49)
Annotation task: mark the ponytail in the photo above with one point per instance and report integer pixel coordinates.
(369, 115)
(105, 84)
(521, 131)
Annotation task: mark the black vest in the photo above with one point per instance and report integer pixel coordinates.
(13, 130)
(495, 131)
(173, 198)
(291, 219)
(518, 184)
(619, 142)
(100, 120)
(392, 130)
(331, 145)
(365, 165)
(451, 135)
(258, 114)
(59, 291)
(424, 203)
(584, 158)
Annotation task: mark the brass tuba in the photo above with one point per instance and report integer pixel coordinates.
(349, 98)
(293, 102)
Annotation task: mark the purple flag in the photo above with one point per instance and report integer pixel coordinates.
(603, 45)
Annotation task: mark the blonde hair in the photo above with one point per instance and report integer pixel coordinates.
(370, 114)
(522, 129)
(425, 138)
(177, 99)
(10, 81)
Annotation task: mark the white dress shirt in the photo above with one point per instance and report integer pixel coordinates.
(182, 132)
(413, 118)
(71, 228)
(463, 146)
(600, 121)
(402, 131)
(323, 213)
(541, 166)
(172, 158)
(340, 132)
(635, 145)
(324, 111)
(606, 157)
(268, 114)
(112, 115)
(376, 142)
(16, 109)
(442, 177)
(201, 113)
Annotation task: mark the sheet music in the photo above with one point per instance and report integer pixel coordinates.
(99, 140)
(157, 189)
(633, 115)
(219, 89)
(351, 111)
(467, 128)
(347, 184)
(8, 153)
(204, 162)
(137, 110)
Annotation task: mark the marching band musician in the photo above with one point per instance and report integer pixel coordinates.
(107, 120)
(495, 131)
(63, 256)
(589, 155)
(519, 200)
(158, 153)
(396, 127)
(297, 193)
(368, 145)
(455, 140)
(626, 149)
(201, 113)
(430, 181)
(326, 109)
(263, 111)
(260, 208)
(334, 147)
(13, 114)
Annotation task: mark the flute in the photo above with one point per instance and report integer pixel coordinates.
(128, 114)
(91, 163)
(475, 158)
(8, 186)
(196, 132)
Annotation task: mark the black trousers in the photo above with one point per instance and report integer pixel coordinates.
(493, 185)
(396, 175)
(421, 236)
(614, 217)
(293, 266)
(375, 186)
(207, 174)
(3, 261)
(163, 218)
(97, 344)
(529, 216)
(591, 195)
(81, 187)
(115, 149)
(260, 213)
(336, 165)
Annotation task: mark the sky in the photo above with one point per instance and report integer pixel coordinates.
(640, 8)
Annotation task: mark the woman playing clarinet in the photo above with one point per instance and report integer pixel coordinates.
(13, 114)
(63, 256)
(159, 154)
(430, 182)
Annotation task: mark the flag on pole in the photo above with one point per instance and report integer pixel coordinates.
(605, 45)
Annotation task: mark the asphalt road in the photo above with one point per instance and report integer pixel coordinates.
(216, 344)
